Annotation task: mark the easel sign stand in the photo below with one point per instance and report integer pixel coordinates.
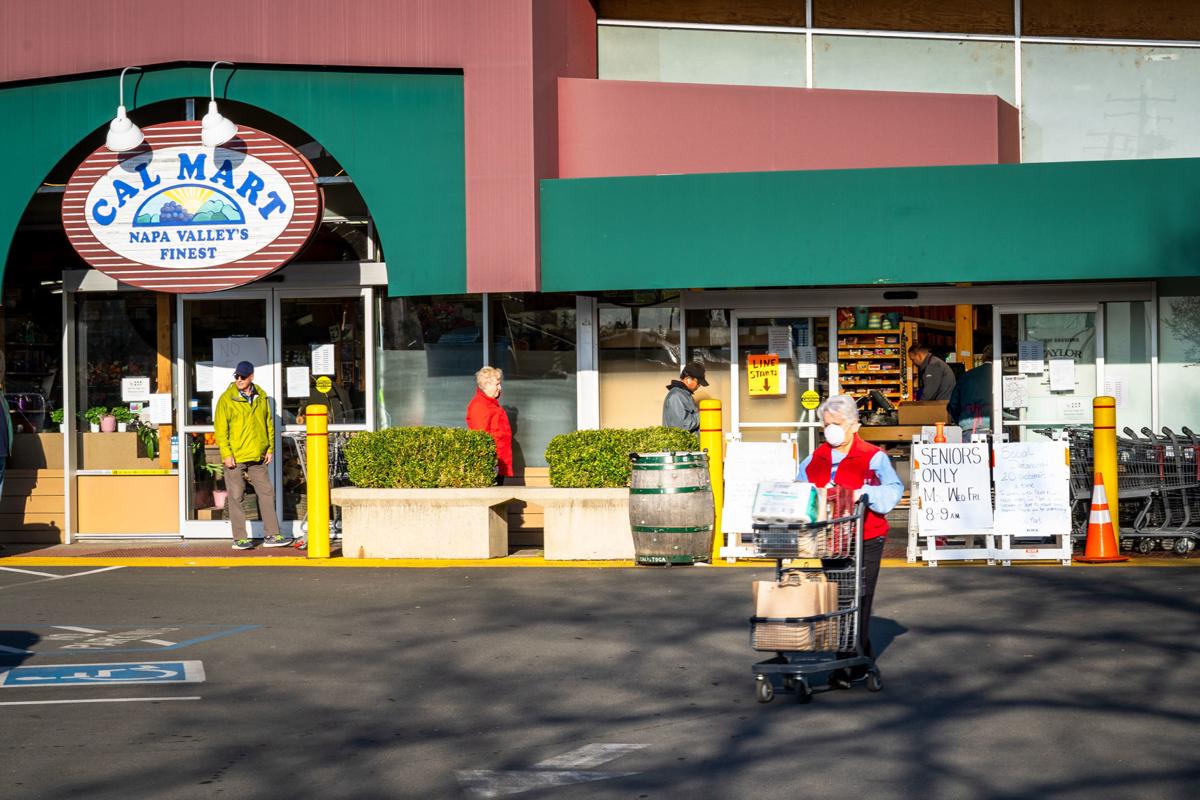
(746, 464)
(950, 510)
(1033, 501)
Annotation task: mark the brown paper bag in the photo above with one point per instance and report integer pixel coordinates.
(790, 600)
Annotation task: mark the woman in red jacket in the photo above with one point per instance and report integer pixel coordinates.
(845, 460)
(484, 413)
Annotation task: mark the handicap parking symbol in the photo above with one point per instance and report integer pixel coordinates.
(113, 674)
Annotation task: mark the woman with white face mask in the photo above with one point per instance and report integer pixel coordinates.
(845, 460)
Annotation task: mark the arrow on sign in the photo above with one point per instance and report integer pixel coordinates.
(562, 770)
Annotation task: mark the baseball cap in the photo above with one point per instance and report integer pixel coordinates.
(244, 369)
(695, 371)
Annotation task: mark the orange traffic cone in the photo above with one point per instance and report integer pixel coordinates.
(1101, 539)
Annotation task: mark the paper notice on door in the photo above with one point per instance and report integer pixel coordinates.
(297, 382)
(779, 341)
(204, 376)
(782, 377)
(806, 362)
(1115, 387)
(1016, 392)
(160, 409)
(322, 359)
(1031, 357)
(1062, 374)
(1073, 410)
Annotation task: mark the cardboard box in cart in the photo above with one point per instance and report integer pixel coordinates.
(787, 502)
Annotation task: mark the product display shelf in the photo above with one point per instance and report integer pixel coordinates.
(875, 358)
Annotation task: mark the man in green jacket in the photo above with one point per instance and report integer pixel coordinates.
(245, 432)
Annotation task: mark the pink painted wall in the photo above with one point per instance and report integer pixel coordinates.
(610, 128)
(509, 121)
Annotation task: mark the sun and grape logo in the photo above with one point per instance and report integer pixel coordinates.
(162, 214)
(188, 205)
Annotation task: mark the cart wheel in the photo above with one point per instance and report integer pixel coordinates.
(874, 681)
(765, 691)
(804, 692)
(1145, 545)
(1184, 545)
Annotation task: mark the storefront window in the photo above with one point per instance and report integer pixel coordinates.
(323, 338)
(678, 55)
(115, 338)
(639, 356)
(708, 344)
(1127, 362)
(533, 341)
(31, 368)
(429, 350)
(1179, 360)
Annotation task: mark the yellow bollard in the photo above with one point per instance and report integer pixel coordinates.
(1104, 449)
(712, 439)
(316, 431)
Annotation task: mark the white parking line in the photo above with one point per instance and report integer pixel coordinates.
(97, 700)
(76, 628)
(89, 572)
(29, 572)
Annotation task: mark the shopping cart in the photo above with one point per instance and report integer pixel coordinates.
(338, 476)
(1158, 480)
(809, 645)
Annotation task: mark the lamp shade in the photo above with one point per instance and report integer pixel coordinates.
(216, 130)
(122, 133)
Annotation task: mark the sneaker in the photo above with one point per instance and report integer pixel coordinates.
(278, 540)
(243, 544)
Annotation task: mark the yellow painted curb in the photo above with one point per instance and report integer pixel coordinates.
(494, 563)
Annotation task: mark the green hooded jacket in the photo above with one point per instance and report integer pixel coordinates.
(245, 429)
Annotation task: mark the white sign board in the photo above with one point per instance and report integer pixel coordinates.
(955, 496)
(228, 352)
(1033, 489)
(297, 382)
(322, 359)
(1062, 374)
(746, 464)
(160, 409)
(135, 390)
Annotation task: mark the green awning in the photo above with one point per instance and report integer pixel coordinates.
(398, 135)
(1093, 220)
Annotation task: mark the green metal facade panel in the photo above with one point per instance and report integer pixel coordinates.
(398, 135)
(1018, 222)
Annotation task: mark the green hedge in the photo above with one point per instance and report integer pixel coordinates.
(596, 459)
(421, 458)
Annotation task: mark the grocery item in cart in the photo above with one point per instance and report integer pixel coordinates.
(798, 595)
(783, 502)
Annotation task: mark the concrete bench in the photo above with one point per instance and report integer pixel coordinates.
(472, 523)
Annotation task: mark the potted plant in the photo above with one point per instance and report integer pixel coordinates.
(56, 416)
(219, 493)
(94, 415)
(148, 436)
(123, 416)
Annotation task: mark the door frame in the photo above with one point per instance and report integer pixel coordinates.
(219, 529)
(1097, 309)
(735, 364)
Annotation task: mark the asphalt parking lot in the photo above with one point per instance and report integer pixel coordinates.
(573, 683)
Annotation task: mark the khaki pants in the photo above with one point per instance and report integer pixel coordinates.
(259, 476)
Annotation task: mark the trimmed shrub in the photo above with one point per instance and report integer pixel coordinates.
(599, 459)
(421, 458)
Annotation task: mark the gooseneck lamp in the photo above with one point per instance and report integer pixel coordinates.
(215, 130)
(122, 133)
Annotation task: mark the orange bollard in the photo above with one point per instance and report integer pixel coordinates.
(1101, 540)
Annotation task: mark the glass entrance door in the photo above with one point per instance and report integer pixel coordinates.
(779, 395)
(1049, 366)
(216, 335)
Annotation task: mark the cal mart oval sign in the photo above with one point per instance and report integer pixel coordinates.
(176, 216)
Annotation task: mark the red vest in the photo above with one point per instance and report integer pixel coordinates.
(853, 472)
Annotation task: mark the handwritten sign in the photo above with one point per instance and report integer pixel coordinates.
(762, 375)
(746, 465)
(1033, 489)
(953, 484)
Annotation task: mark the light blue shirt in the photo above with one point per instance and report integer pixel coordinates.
(882, 498)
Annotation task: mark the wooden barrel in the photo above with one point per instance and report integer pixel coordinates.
(671, 508)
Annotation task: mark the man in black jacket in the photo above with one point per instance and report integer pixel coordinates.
(934, 376)
(679, 407)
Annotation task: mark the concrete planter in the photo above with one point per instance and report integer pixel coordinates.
(471, 523)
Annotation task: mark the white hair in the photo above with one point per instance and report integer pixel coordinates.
(840, 405)
(486, 374)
